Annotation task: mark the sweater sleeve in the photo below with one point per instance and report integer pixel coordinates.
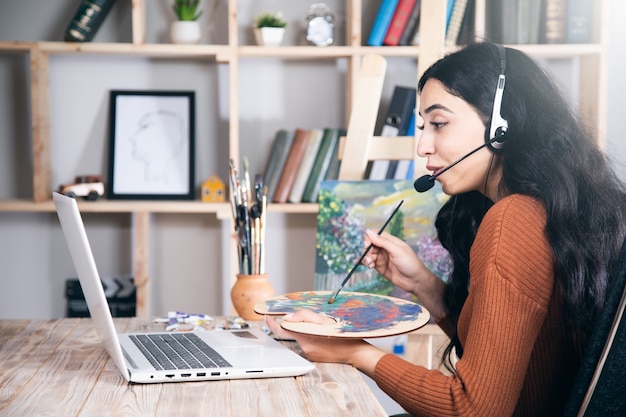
(511, 282)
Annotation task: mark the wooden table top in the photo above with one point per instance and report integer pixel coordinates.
(59, 368)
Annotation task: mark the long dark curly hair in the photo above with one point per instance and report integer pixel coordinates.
(549, 155)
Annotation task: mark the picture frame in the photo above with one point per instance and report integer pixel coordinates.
(151, 145)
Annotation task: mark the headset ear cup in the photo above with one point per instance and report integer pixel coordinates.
(496, 143)
(497, 126)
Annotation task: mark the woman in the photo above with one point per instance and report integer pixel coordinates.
(534, 224)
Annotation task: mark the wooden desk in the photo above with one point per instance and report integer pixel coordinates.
(59, 368)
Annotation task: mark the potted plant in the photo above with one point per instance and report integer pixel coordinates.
(269, 28)
(186, 29)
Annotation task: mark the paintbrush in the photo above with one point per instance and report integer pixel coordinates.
(356, 265)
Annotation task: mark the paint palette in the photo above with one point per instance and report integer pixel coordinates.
(357, 315)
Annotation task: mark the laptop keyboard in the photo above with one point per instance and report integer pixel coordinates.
(178, 351)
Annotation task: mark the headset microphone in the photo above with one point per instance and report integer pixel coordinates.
(426, 182)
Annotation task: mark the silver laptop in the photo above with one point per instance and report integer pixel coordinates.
(166, 356)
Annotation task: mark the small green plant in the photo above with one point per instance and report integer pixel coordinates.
(187, 10)
(269, 20)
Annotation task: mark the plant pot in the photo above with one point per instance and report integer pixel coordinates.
(185, 32)
(248, 291)
(269, 36)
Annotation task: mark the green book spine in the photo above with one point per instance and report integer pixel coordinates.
(276, 162)
(320, 167)
(335, 163)
(87, 20)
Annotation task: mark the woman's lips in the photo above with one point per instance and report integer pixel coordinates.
(433, 169)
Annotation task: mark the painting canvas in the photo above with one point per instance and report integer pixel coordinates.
(348, 208)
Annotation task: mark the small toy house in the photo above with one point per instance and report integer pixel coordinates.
(213, 190)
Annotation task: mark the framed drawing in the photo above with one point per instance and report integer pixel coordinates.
(348, 208)
(151, 148)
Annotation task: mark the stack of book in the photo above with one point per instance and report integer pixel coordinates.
(399, 121)
(299, 161)
(397, 23)
(539, 21)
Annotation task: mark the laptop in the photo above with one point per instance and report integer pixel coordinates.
(163, 356)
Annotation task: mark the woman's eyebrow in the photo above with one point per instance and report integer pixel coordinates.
(436, 106)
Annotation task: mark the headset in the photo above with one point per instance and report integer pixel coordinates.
(494, 135)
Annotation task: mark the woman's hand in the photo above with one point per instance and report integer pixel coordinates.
(355, 352)
(395, 260)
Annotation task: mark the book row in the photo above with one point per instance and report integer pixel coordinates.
(397, 23)
(299, 161)
(507, 22)
(539, 21)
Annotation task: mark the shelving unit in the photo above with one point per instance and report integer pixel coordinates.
(592, 99)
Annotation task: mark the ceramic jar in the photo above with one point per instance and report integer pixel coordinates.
(249, 290)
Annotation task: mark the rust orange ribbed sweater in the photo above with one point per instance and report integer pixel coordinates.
(519, 358)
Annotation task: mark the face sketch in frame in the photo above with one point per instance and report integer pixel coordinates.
(157, 142)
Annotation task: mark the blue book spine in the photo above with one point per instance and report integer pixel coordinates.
(382, 21)
(449, 12)
(411, 132)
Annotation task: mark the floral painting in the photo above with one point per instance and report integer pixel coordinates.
(348, 208)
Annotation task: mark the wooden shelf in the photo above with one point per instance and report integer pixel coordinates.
(313, 52)
(221, 210)
(223, 53)
(122, 206)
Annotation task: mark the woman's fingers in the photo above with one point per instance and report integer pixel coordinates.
(302, 315)
(277, 329)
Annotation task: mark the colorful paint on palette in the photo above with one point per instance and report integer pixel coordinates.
(356, 312)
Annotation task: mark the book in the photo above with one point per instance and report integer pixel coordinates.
(467, 33)
(304, 170)
(330, 141)
(381, 22)
(398, 116)
(449, 9)
(509, 19)
(534, 18)
(493, 29)
(456, 19)
(335, 163)
(528, 22)
(87, 20)
(398, 22)
(579, 15)
(276, 162)
(523, 21)
(554, 21)
(290, 169)
(404, 169)
(412, 25)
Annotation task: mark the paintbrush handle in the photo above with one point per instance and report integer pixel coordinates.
(356, 265)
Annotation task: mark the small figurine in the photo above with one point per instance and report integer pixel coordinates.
(213, 190)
